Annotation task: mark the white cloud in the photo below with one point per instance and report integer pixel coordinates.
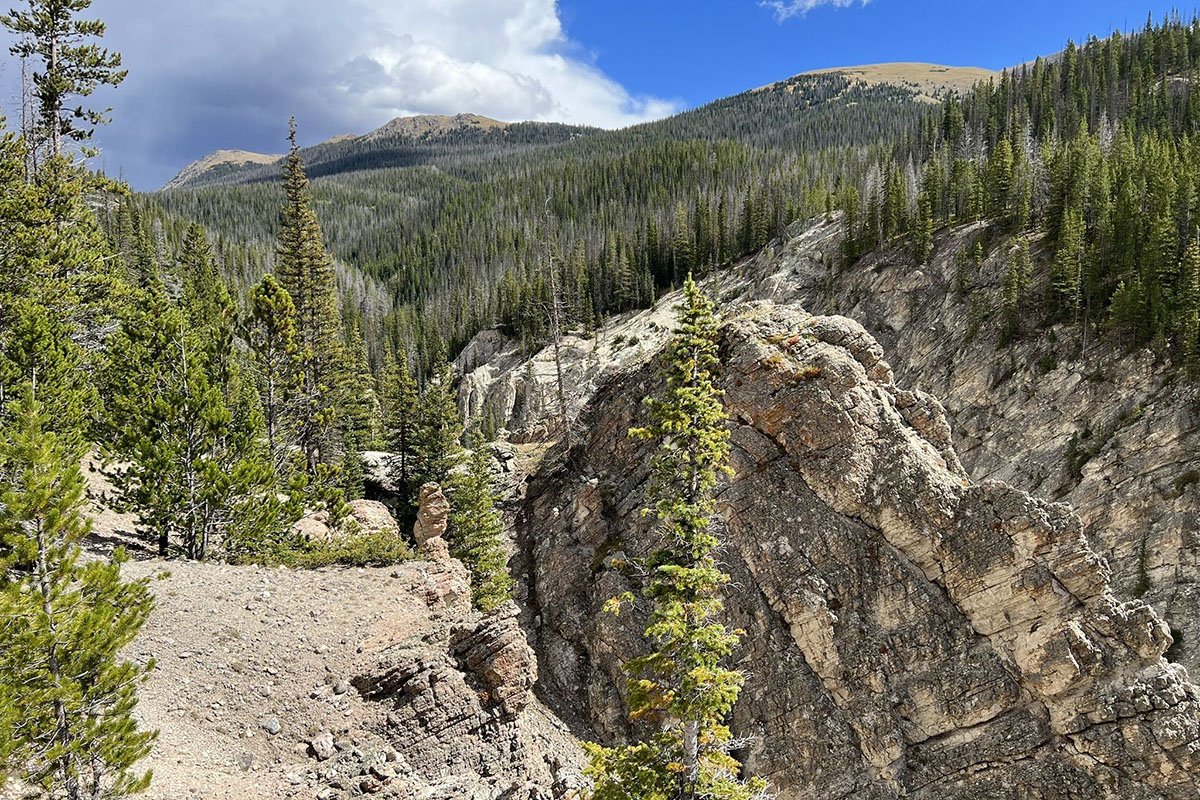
(786, 9)
(228, 73)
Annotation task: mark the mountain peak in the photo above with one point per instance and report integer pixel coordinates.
(929, 81)
(434, 125)
(217, 160)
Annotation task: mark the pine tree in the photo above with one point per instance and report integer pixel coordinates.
(436, 449)
(36, 349)
(402, 413)
(477, 534)
(306, 271)
(1067, 274)
(1189, 306)
(359, 406)
(681, 684)
(270, 333)
(923, 230)
(72, 66)
(206, 299)
(63, 625)
(1016, 282)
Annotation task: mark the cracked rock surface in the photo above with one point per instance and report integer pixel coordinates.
(910, 632)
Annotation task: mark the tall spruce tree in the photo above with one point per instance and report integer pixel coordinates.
(305, 269)
(63, 624)
(680, 687)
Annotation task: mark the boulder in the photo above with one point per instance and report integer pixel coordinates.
(373, 517)
(313, 527)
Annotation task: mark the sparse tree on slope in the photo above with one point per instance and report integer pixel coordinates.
(680, 687)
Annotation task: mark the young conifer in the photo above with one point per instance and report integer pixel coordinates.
(680, 688)
(69, 693)
(477, 534)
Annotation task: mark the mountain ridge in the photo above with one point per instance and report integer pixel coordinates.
(927, 82)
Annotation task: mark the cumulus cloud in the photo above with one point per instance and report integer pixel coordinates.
(786, 9)
(228, 73)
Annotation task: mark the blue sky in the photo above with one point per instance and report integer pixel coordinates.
(227, 74)
(668, 48)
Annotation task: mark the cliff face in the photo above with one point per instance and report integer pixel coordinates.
(1115, 434)
(910, 632)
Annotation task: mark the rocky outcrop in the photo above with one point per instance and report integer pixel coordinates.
(459, 713)
(373, 517)
(505, 387)
(363, 516)
(1115, 433)
(433, 514)
(910, 632)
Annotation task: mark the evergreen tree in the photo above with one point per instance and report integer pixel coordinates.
(436, 448)
(477, 534)
(306, 271)
(402, 415)
(681, 684)
(194, 473)
(72, 66)
(270, 333)
(1016, 282)
(36, 349)
(923, 230)
(63, 625)
(1189, 306)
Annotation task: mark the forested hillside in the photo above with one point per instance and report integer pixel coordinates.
(449, 233)
(1092, 153)
(1093, 157)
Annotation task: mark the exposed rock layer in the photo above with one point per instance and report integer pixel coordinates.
(1115, 434)
(910, 632)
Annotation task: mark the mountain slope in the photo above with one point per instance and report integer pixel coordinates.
(217, 165)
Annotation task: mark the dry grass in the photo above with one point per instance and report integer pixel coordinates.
(930, 81)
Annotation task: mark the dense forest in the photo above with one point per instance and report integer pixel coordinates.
(439, 237)
(1093, 157)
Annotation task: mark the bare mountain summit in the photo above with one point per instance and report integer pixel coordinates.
(434, 125)
(217, 160)
(930, 82)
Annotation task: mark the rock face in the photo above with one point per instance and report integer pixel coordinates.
(1114, 433)
(458, 713)
(911, 633)
(519, 394)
